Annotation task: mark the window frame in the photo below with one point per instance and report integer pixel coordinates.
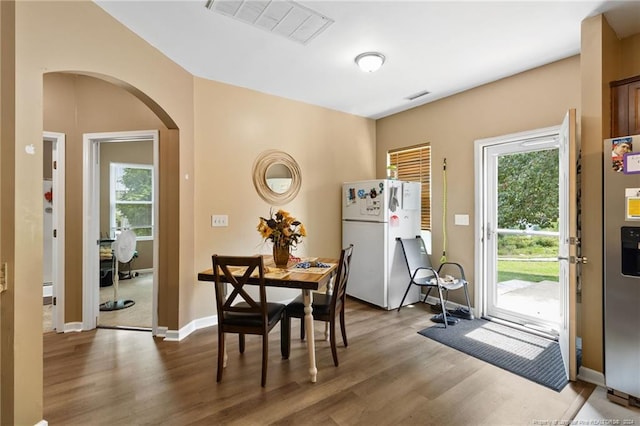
(113, 166)
(416, 166)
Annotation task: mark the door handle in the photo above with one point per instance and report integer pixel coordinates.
(572, 259)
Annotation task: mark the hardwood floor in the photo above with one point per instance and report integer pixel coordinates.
(388, 375)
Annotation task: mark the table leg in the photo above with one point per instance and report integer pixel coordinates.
(311, 344)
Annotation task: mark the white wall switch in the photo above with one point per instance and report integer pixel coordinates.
(462, 219)
(219, 220)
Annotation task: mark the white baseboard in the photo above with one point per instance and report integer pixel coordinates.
(431, 300)
(172, 336)
(178, 335)
(72, 327)
(591, 376)
(42, 423)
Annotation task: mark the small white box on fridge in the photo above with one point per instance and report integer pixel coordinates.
(374, 214)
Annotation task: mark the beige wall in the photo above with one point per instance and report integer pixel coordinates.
(629, 59)
(530, 100)
(79, 37)
(7, 208)
(233, 126)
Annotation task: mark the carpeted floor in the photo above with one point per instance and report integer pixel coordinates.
(138, 289)
(532, 357)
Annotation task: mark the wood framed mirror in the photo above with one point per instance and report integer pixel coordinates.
(276, 177)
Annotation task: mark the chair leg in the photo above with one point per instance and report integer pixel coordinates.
(220, 354)
(466, 294)
(285, 336)
(332, 339)
(343, 328)
(444, 307)
(265, 353)
(302, 328)
(404, 297)
(241, 342)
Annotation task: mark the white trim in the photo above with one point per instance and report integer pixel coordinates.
(432, 300)
(73, 327)
(184, 332)
(42, 423)
(91, 217)
(480, 272)
(591, 376)
(58, 141)
(116, 165)
(174, 336)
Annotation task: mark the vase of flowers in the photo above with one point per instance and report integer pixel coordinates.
(284, 231)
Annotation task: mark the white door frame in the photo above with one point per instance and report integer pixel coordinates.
(480, 296)
(91, 220)
(58, 204)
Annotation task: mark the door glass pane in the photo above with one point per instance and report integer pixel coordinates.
(527, 235)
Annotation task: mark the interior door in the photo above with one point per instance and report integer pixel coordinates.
(569, 239)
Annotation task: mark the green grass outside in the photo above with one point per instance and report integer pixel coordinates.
(527, 271)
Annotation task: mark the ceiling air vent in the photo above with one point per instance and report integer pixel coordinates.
(285, 18)
(417, 95)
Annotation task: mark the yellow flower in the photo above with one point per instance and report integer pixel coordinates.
(281, 228)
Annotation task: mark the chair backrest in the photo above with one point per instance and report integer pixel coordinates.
(415, 253)
(342, 277)
(223, 270)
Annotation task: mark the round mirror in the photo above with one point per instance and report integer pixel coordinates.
(276, 176)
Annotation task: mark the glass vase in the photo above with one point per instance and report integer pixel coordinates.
(280, 255)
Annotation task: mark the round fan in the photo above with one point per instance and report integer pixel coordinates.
(124, 248)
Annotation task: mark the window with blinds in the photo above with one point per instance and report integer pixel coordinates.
(414, 164)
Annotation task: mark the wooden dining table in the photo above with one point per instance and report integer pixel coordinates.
(307, 280)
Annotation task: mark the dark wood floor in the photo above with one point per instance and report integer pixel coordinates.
(389, 375)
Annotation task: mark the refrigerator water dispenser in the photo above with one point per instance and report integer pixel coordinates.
(630, 238)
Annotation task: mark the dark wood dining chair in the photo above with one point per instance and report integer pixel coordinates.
(240, 313)
(326, 307)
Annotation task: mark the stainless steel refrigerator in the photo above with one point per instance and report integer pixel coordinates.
(374, 213)
(622, 266)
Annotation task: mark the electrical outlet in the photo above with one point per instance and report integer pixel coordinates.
(219, 220)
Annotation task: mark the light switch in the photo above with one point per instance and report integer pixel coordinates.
(219, 220)
(462, 219)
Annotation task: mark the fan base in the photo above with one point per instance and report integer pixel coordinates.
(116, 305)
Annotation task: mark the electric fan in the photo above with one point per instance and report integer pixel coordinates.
(124, 248)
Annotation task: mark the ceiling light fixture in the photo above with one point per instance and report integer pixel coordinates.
(370, 61)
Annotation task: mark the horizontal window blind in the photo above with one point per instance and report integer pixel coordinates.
(414, 164)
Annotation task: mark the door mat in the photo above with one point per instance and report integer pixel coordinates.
(527, 355)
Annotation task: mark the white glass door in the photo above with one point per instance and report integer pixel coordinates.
(522, 232)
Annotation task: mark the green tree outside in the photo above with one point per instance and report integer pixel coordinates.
(134, 199)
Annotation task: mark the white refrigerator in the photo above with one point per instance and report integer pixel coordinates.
(374, 214)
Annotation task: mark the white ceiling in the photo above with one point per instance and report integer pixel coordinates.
(443, 47)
